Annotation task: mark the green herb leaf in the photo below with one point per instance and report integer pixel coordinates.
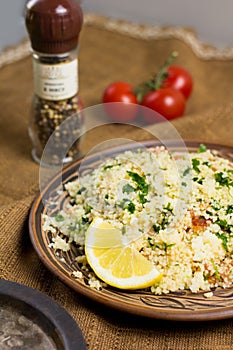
(222, 179)
(229, 209)
(216, 206)
(195, 163)
(108, 167)
(199, 181)
(202, 148)
(142, 198)
(128, 188)
(187, 171)
(156, 228)
(224, 225)
(216, 272)
(206, 163)
(140, 181)
(164, 246)
(84, 220)
(89, 209)
(111, 166)
(127, 204)
(82, 189)
(131, 207)
(224, 240)
(59, 218)
(169, 208)
(149, 240)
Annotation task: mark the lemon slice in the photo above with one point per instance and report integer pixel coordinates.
(115, 262)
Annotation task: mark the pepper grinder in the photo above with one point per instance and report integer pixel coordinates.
(54, 27)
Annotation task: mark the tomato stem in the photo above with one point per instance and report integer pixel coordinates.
(162, 73)
(156, 82)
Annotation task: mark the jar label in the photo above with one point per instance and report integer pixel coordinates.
(56, 82)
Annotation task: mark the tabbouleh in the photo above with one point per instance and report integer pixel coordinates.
(177, 208)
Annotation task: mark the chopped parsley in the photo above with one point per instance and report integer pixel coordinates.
(195, 163)
(168, 207)
(131, 207)
(216, 272)
(111, 166)
(187, 171)
(140, 181)
(149, 240)
(89, 209)
(128, 188)
(142, 186)
(156, 228)
(84, 220)
(202, 148)
(59, 218)
(165, 214)
(142, 198)
(222, 179)
(164, 223)
(108, 167)
(83, 224)
(229, 209)
(199, 181)
(82, 189)
(224, 225)
(206, 163)
(224, 241)
(127, 204)
(164, 246)
(216, 205)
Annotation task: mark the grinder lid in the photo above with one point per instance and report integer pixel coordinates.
(53, 25)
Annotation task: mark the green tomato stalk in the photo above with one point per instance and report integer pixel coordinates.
(157, 81)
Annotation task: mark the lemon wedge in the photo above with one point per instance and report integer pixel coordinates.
(115, 262)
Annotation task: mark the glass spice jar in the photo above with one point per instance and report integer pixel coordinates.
(54, 27)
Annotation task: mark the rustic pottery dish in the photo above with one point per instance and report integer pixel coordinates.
(177, 306)
(30, 319)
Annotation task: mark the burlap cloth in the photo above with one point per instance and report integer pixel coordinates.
(109, 51)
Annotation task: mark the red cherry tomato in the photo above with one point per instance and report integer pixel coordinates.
(179, 79)
(168, 102)
(120, 92)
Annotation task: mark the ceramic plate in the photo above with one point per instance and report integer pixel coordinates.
(31, 320)
(181, 305)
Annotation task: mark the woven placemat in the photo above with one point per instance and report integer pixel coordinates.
(110, 50)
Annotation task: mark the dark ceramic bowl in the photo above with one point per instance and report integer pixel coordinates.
(32, 320)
